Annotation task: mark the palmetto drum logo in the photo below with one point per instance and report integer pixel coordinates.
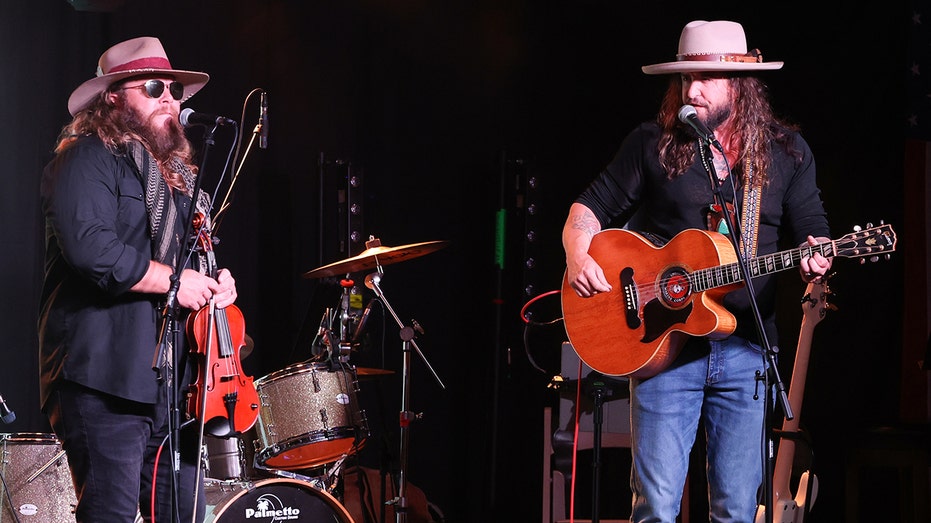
(271, 507)
(271, 501)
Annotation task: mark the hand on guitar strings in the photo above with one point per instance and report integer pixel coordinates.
(814, 267)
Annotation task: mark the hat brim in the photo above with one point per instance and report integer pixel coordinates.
(85, 93)
(686, 66)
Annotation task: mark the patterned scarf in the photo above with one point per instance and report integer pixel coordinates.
(161, 208)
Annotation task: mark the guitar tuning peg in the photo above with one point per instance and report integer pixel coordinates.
(869, 225)
(887, 256)
(862, 261)
(856, 228)
(874, 259)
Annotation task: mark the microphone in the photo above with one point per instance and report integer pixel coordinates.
(361, 325)
(7, 416)
(263, 121)
(688, 116)
(189, 117)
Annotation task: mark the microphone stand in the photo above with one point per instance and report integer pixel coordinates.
(406, 416)
(170, 329)
(768, 349)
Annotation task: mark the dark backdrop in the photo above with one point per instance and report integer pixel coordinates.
(436, 102)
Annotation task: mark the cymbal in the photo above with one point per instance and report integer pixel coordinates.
(372, 372)
(375, 256)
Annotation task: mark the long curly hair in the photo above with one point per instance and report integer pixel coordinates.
(112, 124)
(756, 129)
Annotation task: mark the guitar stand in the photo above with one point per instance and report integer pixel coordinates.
(406, 417)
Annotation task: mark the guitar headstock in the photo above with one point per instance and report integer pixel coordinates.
(867, 243)
(815, 303)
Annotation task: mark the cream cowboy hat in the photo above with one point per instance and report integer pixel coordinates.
(713, 46)
(139, 56)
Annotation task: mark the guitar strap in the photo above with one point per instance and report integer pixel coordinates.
(750, 215)
(750, 219)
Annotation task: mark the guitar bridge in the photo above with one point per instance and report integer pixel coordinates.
(631, 298)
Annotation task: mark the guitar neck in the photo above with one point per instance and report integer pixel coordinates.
(782, 469)
(729, 274)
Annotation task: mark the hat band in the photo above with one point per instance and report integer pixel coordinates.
(142, 63)
(754, 56)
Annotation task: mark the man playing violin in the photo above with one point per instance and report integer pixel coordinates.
(116, 198)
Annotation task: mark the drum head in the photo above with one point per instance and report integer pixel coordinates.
(272, 500)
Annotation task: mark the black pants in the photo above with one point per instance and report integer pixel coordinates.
(112, 446)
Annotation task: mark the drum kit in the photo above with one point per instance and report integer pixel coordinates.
(309, 418)
(288, 465)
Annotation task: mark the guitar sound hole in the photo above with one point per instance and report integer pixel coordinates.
(675, 286)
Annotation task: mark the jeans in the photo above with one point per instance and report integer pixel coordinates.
(112, 444)
(711, 381)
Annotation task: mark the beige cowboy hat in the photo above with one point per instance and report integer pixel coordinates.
(713, 46)
(139, 56)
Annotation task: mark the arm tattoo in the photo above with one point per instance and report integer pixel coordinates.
(586, 222)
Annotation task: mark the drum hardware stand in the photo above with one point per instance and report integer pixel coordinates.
(339, 348)
(345, 341)
(315, 481)
(407, 334)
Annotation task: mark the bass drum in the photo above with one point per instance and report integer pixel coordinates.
(35, 470)
(271, 500)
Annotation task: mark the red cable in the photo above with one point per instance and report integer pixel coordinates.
(523, 310)
(158, 455)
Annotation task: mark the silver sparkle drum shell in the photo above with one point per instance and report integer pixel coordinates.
(35, 470)
(309, 416)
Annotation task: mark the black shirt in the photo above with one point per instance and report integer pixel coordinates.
(635, 192)
(92, 329)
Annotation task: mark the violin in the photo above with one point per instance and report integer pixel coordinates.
(223, 397)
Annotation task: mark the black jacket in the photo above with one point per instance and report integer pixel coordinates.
(92, 329)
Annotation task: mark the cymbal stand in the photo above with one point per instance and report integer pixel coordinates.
(372, 281)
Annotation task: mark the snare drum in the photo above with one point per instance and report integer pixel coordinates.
(308, 416)
(271, 500)
(36, 472)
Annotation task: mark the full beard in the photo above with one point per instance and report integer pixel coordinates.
(718, 117)
(163, 141)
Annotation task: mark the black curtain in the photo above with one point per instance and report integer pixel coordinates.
(426, 97)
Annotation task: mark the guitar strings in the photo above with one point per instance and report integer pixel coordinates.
(716, 275)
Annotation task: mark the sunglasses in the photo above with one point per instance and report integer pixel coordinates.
(155, 88)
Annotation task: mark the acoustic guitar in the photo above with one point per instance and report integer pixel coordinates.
(662, 295)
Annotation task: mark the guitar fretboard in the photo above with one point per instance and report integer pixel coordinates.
(712, 277)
